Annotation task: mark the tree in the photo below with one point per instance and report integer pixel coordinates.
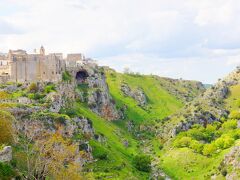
(224, 142)
(49, 156)
(230, 124)
(182, 142)
(234, 115)
(33, 88)
(142, 163)
(209, 149)
(196, 146)
(58, 157)
(6, 129)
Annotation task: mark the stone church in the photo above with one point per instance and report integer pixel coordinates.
(19, 66)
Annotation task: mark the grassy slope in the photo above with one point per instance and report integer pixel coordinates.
(118, 155)
(160, 102)
(160, 105)
(233, 100)
(183, 163)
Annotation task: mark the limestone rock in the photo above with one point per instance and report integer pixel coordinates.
(6, 154)
(137, 94)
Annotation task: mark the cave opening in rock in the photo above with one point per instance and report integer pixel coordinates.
(81, 76)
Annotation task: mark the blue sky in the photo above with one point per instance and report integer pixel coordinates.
(188, 39)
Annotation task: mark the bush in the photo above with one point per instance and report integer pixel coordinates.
(234, 115)
(224, 142)
(142, 163)
(4, 95)
(196, 146)
(100, 153)
(33, 88)
(66, 76)
(49, 88)
(230, 124)
(7, 132)
(208, 149)
(182, 142)
(6, 171)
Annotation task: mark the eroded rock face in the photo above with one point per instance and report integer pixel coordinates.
(99, 98)
(230, 166)
(137, 94)
(6, 154)
(205, 109)
(35, 128)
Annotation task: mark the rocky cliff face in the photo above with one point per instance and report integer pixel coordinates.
(205, 109)
(94, 90)
(136, 94)
(230, 166)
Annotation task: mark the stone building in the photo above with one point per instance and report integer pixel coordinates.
(19, 66)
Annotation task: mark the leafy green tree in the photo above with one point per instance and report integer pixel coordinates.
(6, 129)
(33, 88)
(182, 142)
(142, 163)
(230, 124)
(234, 115)
(209, 149)
(224, 142)
(196, 146)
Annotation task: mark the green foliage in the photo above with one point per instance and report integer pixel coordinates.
(209, 149)
(6, 171)
(182, 142)
(196, 146)
(36, 96)
(235, 114)
(99, 153)
(142, 163)
(49, 88)
(7, 132)
(230, 124)
(66, 76)
(4, 95)
(33, 88)
(224, 142)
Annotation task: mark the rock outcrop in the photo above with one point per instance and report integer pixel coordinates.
(205, 109)
(230, 166)
(136, 94)
(97, 94)
(6, 154)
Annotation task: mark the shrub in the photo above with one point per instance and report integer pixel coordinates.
(182, 142)
(142, 163)
(208, 149)
(66, 76)
(6, 171)
(100, 153)
(230, 124)
(33, 88)
(196, 146)
(49, 88)
(224, 142)
(234, 115)
(4, 95)
(7, 132)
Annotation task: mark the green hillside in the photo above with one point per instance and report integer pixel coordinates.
(119, 151)
(199, 151)
(160, 102)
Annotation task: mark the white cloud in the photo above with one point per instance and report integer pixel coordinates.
(177, 35)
